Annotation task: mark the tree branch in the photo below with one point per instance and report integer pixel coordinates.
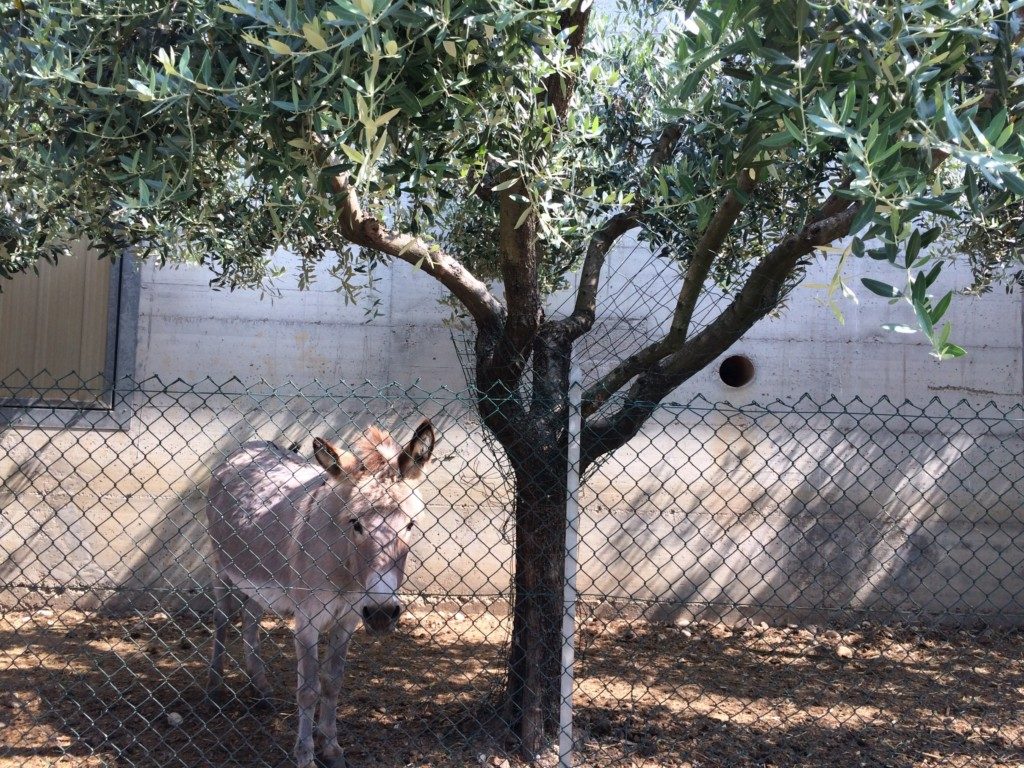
(500, 370)
(558, 88)
(703, 257)
(665, 145)
(368, 232)
(761, 293)
(585, 310)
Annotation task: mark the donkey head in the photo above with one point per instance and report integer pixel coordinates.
(378, 512)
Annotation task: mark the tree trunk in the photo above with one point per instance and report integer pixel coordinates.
(535, 441)
(532, 695)
(538, 457)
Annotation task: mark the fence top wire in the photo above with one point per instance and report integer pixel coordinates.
(39, 392)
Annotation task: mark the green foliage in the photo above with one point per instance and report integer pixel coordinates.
(209, 131)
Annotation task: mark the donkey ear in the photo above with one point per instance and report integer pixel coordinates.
(328, 457)
(417, 453)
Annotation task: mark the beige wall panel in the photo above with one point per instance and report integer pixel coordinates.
(56, 322)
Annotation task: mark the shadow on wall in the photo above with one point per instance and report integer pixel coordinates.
(808, 516)
(790, 511)
(115, 520)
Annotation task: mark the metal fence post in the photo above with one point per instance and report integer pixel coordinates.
(572, 515)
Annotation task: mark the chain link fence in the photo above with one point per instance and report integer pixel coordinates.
(792, 583)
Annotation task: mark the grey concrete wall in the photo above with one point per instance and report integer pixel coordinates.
(187, 330)
(782, 512)
(786, 510)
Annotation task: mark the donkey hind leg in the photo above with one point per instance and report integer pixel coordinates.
(221, 620)
(254, 664)
(332, 671)
(307, 691)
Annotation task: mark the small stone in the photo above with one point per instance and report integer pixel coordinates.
(44, 613)
(844, 652)
(460, 616)
(174, 719)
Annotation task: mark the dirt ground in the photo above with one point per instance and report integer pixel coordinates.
(77, 690)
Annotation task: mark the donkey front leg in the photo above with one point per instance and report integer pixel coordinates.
(332, 672)
(307, 691)
(221, 619)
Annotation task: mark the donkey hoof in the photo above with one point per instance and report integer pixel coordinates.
(304, 758)
(338, 761)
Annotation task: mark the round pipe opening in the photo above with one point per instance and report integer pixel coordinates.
(736, 371)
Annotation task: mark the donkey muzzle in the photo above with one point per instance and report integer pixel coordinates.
(381, 618)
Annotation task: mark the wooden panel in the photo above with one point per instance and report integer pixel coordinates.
(53, 330)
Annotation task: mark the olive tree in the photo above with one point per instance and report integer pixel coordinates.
(501, 142)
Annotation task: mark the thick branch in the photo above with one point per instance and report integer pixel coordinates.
(703, 257)
(666, 143)
(368, 232)
(518, 249)
(760, 295)
(585, 311)
(706, 250)
(834, 203)
(558, 87)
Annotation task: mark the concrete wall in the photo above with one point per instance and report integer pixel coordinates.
(187, 330)
(786, 509)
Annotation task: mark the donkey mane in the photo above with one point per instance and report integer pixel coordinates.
(374, 450)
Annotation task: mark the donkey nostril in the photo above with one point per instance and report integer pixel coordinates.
(395, 611)
(366, 612)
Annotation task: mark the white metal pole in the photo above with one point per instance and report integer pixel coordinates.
(572, 517)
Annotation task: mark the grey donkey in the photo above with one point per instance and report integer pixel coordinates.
(326, 545)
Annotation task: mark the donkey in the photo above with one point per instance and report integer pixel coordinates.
(325, 546)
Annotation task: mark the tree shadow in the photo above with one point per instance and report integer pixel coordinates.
(735, 528)
(92, 689)
(81, 688)
(779, 697)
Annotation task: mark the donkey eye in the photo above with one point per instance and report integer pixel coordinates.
(356, 525)
(410, 526)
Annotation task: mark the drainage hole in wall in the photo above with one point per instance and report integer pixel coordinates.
(736, 370)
